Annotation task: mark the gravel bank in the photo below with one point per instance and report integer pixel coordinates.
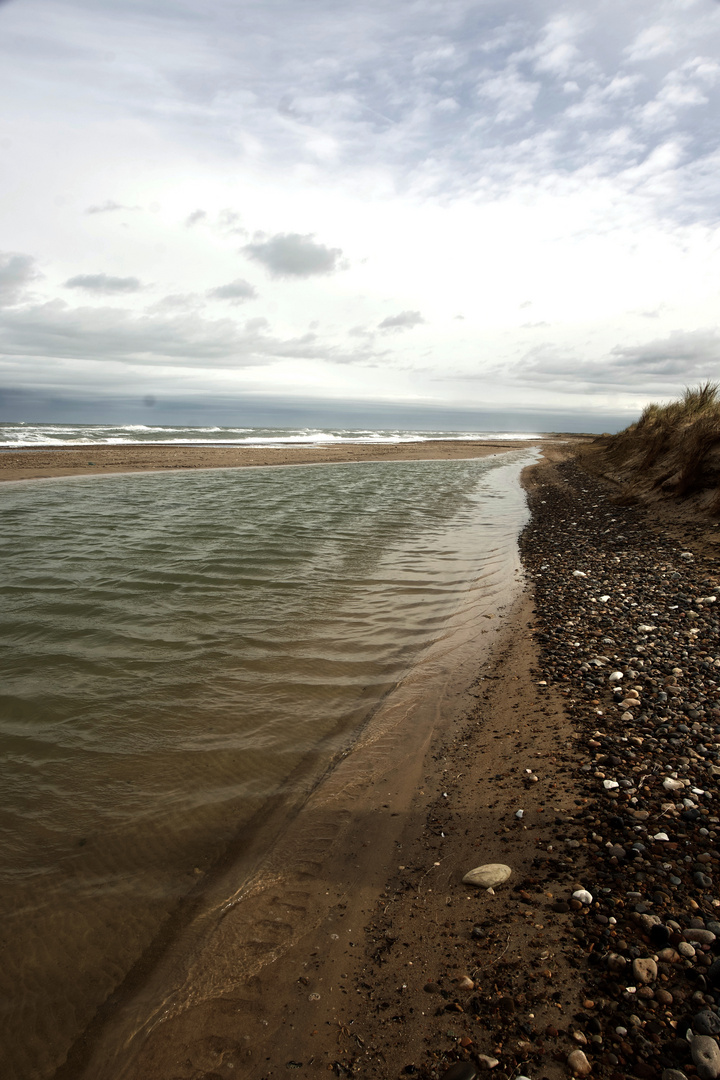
(629, 632)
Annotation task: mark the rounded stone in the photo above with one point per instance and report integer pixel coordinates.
(703, 937)
(578, 1063)
(706, 1057)
(645, 970)
(488, 876)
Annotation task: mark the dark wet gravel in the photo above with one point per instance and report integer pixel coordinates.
(648, 829)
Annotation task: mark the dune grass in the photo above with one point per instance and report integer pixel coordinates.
(671, 447)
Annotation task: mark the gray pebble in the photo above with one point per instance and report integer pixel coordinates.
(645, 970)
(704, 937)
(706, 1057)
(707, 1023)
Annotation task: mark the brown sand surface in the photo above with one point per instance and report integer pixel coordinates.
(49, 462)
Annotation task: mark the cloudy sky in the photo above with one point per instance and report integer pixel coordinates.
(501, 206)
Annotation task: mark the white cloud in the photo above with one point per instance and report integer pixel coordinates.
(195, 217)
(512, 94)
(109, 207)
(404, 320)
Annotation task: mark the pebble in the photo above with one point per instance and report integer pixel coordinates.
(583, 896)
(488, 876)
(643, 691)
(645, 970)
(707, 1023)
(706, 1057)
(461, 1070)
(578, 1063)
(700, 936)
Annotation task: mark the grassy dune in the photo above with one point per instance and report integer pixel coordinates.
(671, 452)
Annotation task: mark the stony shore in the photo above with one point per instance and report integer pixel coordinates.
(629, 631)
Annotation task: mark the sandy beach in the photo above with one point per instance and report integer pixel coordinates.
(357, 949)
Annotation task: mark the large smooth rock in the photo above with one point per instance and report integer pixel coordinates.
(488, 876)
(706, 1057)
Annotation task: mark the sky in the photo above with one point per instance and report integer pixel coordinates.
(224, 210)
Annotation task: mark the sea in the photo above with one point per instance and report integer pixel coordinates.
(182, 648)
(46, 436)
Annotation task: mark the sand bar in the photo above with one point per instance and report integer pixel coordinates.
(90, 460)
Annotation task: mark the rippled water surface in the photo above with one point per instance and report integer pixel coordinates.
(176, 649)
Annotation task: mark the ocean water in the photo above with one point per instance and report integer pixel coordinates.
(178, 650)
(59, 435)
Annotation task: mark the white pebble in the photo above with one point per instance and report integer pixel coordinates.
(583, 896)
(672, 785)
(615, 676)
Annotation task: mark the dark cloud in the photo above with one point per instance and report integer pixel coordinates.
(661, 367)
(16, 273)
(104, 283)
(109, 206)
(175, 302)
(195, 217)
(54, 330)
(404, 320)
(294, 255)
(236, 292)
(684, 353)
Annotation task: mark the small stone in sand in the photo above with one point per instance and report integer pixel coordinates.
(645, 970)
(583, 896)
(488, 876)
